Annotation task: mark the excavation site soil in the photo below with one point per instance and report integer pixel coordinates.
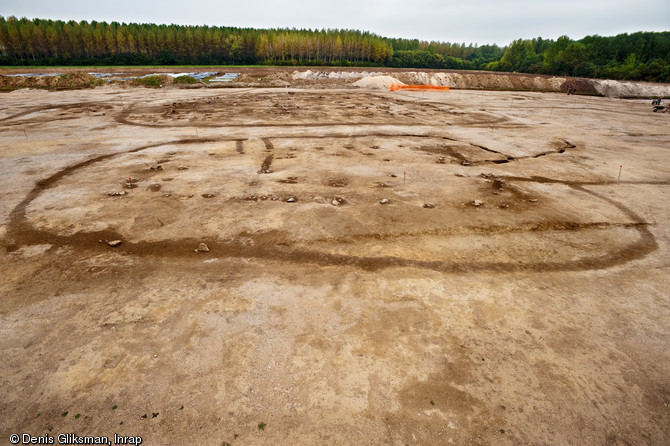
(328, 264)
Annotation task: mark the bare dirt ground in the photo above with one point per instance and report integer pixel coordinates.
(383, 268)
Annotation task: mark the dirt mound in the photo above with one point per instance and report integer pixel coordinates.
(621, 89)
(378, 82)
(484, 80)
(527, 82)
(62, 81)
(154, 80)
(321, 75)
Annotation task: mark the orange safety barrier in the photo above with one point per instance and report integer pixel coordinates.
(395, 87)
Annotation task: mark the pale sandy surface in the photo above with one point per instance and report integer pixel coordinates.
(540, 316)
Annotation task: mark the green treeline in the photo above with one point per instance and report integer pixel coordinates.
(420, 54)
(54, 42)
(637, 56)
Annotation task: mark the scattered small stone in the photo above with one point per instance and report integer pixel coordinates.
(208, 195)
(156, 168)
(477, 203)
(117, 194)
(291, 200)
(252, 183)
(251, 198)
(274, 198)
(386, 159)
(202, 248)
(113, 243)
(335, 203)
(465, 163)
(533, 200)
(167, 179)
(503, 206)
(375, 147)
(167, 195)
(393, 175)
(155, 187)
(154, 414)
(182, 168)
(429, 205)
(441, 160)
(384, 201)
(459, 175)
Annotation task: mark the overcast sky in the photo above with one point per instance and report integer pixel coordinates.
(470, 21)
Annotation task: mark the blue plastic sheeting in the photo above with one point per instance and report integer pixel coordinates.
(198, 76)
(101, 75)
(228, 77)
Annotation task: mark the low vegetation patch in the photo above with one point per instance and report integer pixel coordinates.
(185, 80)
(150, 81)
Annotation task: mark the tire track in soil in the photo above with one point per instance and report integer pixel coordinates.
(30, 110)
(275, 246)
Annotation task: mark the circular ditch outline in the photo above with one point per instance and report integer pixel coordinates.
(124, 117)
(22, 233)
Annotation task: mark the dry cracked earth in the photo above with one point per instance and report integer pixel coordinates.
(406, 268)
